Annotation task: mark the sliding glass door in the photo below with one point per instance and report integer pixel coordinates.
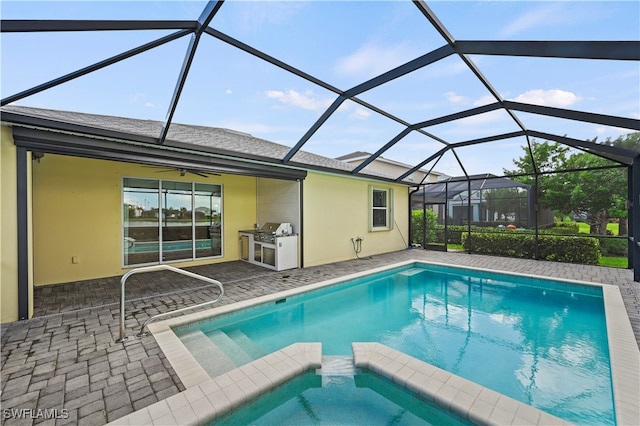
(208, 219)
(168, 221)
(177, 223)
(141, 225)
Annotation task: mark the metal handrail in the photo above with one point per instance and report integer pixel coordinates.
(123, 280)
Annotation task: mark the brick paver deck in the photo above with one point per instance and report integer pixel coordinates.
(64, 362)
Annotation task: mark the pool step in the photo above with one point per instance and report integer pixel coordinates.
(230, 348)
(337, 365)
(209, 356)
(247, 344)
(411, 272)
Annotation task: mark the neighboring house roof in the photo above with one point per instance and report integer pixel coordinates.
(214, 140)
(357, 155)
(362, 155)
(453, 186)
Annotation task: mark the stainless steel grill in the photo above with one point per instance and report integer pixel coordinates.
(269, 231)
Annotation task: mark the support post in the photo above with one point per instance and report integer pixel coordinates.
(23, 233)
(634, 218)
(536, 212)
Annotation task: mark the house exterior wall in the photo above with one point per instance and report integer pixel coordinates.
(9, 228)
(336, 209)
(77, 213)
(278, 201)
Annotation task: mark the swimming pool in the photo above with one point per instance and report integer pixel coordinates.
(541, 342)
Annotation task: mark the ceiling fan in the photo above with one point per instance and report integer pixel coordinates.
(183, 171)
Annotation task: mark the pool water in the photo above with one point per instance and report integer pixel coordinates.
(146, 247)
(363, 399)
(541, 342)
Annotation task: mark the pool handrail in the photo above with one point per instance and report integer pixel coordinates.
(152, 268)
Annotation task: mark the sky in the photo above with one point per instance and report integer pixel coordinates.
(343, 43)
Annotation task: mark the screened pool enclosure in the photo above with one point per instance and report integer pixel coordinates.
(422, 83)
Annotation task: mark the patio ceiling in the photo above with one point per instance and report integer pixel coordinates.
(429, 136)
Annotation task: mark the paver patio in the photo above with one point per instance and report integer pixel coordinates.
(64, 362)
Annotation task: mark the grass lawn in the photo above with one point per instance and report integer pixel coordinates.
(586, 229)
(613, 227)
(614, 262)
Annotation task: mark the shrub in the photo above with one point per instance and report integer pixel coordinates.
(583, 250)
(454, 234)
(565, 228)
(613, 246)
(417, 233)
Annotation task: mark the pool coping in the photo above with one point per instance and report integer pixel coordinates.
(623, 350)
(460, 396)
(213, 397)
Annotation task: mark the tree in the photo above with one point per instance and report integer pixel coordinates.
(548, 157)
(595, 195)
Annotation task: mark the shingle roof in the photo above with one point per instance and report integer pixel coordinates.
(356, 154)
(198, 138)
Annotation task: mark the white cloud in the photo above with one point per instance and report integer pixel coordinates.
(306, 100)
(360, 114)
(549, 14)
(481, 119)
(371, 60)
(484, 100)
(612, 132)
(142, 98)
(251, 16)
(228, 91)
(310, 101)
(454, 98)
(553, 98)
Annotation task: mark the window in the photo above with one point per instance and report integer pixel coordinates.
(166, 221)
(381, 202)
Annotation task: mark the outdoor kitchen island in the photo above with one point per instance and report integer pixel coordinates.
(273, 246)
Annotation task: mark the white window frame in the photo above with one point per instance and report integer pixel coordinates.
(388, 208)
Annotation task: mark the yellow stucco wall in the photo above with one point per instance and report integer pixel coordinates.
(77, 212)
(336, 209)
(9, 229)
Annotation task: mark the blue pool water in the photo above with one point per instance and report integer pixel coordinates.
(541, 342)
(363, 399)
(146, 247)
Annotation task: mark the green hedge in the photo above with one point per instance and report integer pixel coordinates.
(613, 246)
(565, 228)
(583, 250)
(454, 234)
